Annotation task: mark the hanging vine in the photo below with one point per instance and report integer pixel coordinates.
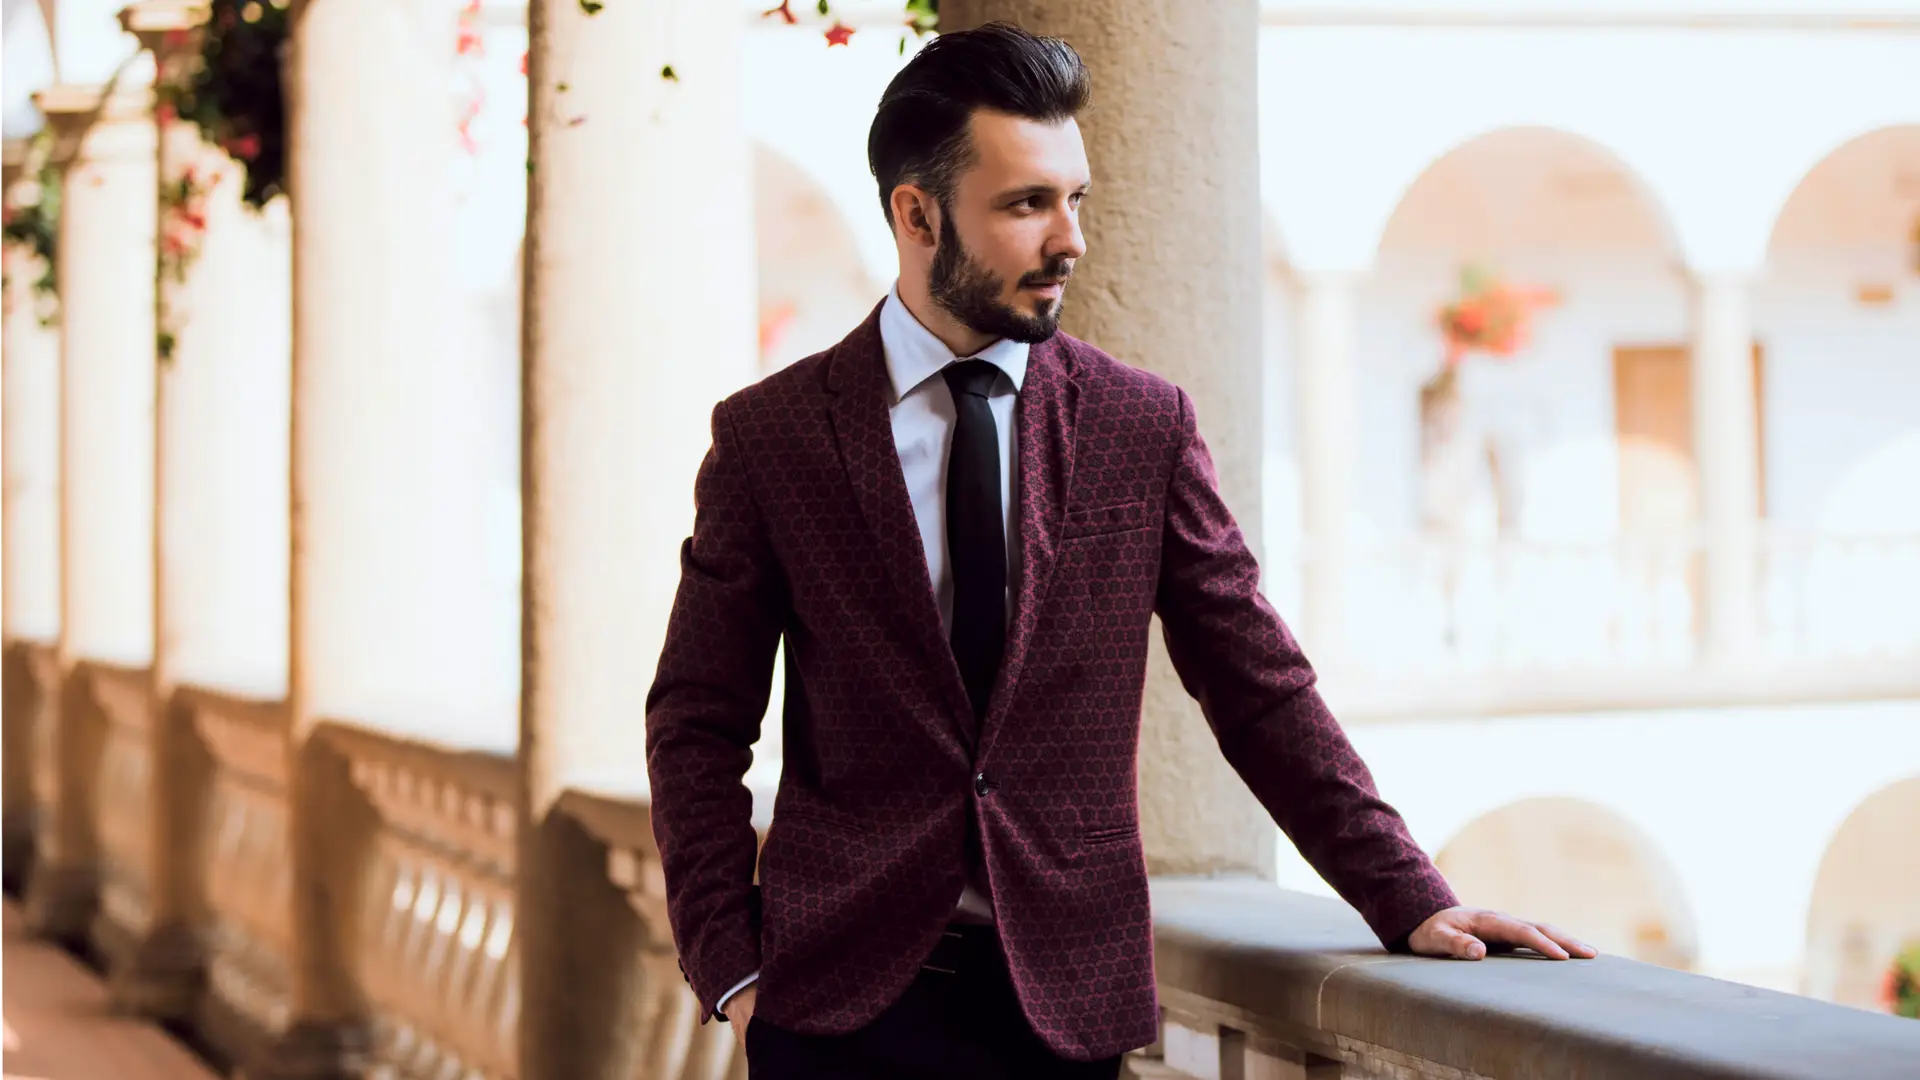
(230, 88)
(32, 227)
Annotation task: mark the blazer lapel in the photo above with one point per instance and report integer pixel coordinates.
(1044, 424)
(863, 428)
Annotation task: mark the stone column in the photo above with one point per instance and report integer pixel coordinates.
(1326, 417)
(105, 272)
(638, 318)
(371, 134)
(217, 374)
(30, 518)
(1726, 450)
(1173, 284)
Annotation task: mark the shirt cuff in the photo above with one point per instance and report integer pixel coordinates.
(720, 1010)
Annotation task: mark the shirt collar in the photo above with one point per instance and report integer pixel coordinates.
(915, 355)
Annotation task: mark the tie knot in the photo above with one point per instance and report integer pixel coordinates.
(970, 377)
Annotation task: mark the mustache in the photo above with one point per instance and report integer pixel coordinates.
(1055, 273)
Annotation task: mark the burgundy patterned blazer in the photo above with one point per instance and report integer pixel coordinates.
(804, 532)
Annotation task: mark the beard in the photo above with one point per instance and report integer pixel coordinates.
(970, 292)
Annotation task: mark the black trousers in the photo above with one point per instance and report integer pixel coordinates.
(959, 1020)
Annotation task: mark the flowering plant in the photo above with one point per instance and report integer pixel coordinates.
(923, 17)
(1490, 315)
(33, 221)
(230, 88)
(1900, 990)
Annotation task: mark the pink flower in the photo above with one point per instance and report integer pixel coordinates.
(838, 34)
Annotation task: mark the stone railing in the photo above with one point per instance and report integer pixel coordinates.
(121, 791)
(1256, 981)
(244, 875)
(32, 691)
(1439, 628)
(669, 1042)
(435, 923)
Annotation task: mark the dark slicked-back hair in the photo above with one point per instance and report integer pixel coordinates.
(920, 135)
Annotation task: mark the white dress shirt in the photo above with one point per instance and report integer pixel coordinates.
(923, 416)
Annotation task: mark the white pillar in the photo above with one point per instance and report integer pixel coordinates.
(30, 432)
(639, 317)
(1726, 450)
(371, 136)
(104, 264)
(1327, 421)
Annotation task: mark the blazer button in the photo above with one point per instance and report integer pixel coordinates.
(981, 785)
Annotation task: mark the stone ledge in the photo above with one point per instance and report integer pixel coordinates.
(1307, 971)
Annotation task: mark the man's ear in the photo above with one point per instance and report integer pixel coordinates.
(916, 214)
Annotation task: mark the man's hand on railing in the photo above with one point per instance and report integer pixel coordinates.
(740, 1014)
(1465, 933)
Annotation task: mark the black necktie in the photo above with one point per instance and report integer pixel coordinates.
(976, 538)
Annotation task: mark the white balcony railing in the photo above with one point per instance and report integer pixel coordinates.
(1516, 619)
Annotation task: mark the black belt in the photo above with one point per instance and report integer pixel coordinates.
(965, 948)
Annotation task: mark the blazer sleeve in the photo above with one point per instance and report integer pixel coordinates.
(703, 716)
(1239, 661)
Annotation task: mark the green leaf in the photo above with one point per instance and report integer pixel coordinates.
(562, 87)
(669, 74)
(823, 7)
(591, 7)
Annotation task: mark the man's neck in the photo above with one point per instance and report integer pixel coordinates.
(963, 340)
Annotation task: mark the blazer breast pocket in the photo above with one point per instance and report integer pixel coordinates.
(1086, 521)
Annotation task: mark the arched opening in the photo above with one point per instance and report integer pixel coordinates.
(1580, 867)
(1866, 899)
(27, 66)
(813, 288)
(1480, 438)
(1840, 309)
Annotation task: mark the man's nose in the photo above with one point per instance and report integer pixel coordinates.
(1068, 242)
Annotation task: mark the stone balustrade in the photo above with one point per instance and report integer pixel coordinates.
(242, 872)
(435, 918)
(1257, 981)
(121, 791)
(670, 1042)
(32, 690)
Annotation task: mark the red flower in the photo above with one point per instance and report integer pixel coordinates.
(838, 33)
(785, 11)
(523, 63)
(244, 147)
(469, 42)
(165, 114)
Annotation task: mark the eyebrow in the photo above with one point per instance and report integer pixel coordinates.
(1016, 194)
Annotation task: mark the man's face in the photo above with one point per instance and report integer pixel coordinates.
(1011, 234)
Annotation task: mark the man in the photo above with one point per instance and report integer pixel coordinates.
(960, 522)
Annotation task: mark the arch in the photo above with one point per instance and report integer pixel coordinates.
(1526, 189)
(1580, 866)
(1862, 193)
(28, 65)
(813, 284)
(1864, 908)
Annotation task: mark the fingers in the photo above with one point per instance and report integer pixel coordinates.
(1510, 931)
(1459, 944)
(1573, 945)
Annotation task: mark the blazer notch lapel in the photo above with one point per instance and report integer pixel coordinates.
(1044, 424)
(864, 434)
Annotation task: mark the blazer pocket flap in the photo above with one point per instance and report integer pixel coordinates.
(1094, 520)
